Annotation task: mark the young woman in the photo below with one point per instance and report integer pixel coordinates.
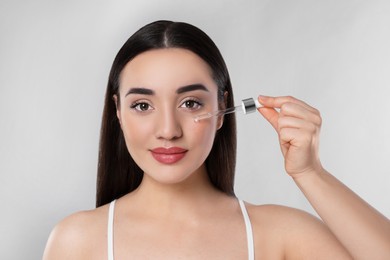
(165, 182)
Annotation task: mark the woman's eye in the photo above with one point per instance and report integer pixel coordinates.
(191, 104)
(142, 106)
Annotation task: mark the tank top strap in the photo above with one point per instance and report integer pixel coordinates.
(110, 231)
(249, 233)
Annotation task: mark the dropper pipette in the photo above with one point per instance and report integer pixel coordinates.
(248, 105)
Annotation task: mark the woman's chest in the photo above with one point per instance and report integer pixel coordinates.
(223, 239)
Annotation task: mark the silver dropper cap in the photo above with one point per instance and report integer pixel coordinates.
(249, 105)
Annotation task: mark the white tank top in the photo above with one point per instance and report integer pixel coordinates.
(110, 231)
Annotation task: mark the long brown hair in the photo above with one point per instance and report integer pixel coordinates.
(118, 174)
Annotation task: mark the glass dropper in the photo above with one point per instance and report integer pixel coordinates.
(248, 105)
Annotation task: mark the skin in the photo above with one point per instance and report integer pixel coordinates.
(362, 230)
(177, 214)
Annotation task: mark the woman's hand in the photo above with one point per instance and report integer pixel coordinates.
(298, 127)
(367, 235)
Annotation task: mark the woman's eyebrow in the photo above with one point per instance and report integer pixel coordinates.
(141, 91)
(183, 89)
(191, 87)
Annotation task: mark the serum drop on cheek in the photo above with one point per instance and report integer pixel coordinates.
(247, 106)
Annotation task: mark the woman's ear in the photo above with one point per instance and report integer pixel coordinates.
(117, 105)
(223, 106)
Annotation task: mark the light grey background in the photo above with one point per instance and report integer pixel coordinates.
(55, 58)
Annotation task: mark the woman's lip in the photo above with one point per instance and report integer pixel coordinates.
(168, 155)
(171, 150)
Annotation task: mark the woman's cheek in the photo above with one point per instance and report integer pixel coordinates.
(137, 130)
(203, 132)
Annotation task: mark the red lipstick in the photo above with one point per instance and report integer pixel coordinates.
(168, 155)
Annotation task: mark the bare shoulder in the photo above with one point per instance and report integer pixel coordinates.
(294, 233)
(280, 215)
(77, 235)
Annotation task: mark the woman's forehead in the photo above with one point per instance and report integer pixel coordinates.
(169, 67)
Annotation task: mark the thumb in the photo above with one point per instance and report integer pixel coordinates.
(268, 113)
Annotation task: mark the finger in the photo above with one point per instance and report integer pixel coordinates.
(295, 137)
(291, 122)
(292, 139)
(277, 102)
(305, 127)
(271, 115)
(288, 138)
(297, 110)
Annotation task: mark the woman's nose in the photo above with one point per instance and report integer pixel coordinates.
(169, 126)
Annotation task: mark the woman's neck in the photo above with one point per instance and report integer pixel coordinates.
(190, 196)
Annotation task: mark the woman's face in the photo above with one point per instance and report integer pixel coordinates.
(160, 93)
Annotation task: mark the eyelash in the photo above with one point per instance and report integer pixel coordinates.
(136, 105)
(196, 101)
